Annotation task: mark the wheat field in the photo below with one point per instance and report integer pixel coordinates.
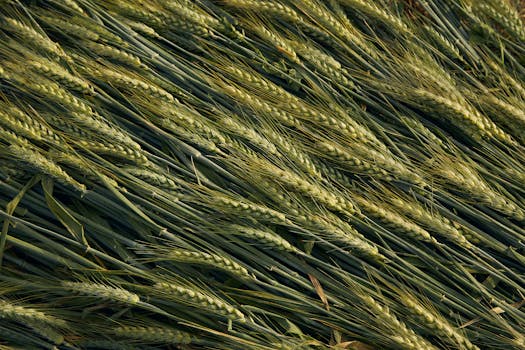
(262, 174)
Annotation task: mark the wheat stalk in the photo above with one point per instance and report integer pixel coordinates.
(44, 165)
(504, 15)
(470, 120)
(200, 299)
(79, 164)
(142, 29)
(434, 222)
(155, 178)
(439, 326)
(133, 84)
(294, 153)
(248, 133)
(115, 150)
(57, 73)
(47, 332)
(243, 208)
(11, 138)
(374, 11)
(313, 191)
(393, 220)
(143, 14)
(505, 113)
(162, 335)
(465, 179)
(25, 126)
(113, 53)
(201, 258)
(104, 34)
(28, 315)
(260, 105)
(404, 337)
(69, 28)
(368, 161)
(101, 291)
(203, 142)
(27, 33)
(267, 238)
(443, 43)
(72, 4)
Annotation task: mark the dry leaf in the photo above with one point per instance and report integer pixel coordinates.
(319, 290)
